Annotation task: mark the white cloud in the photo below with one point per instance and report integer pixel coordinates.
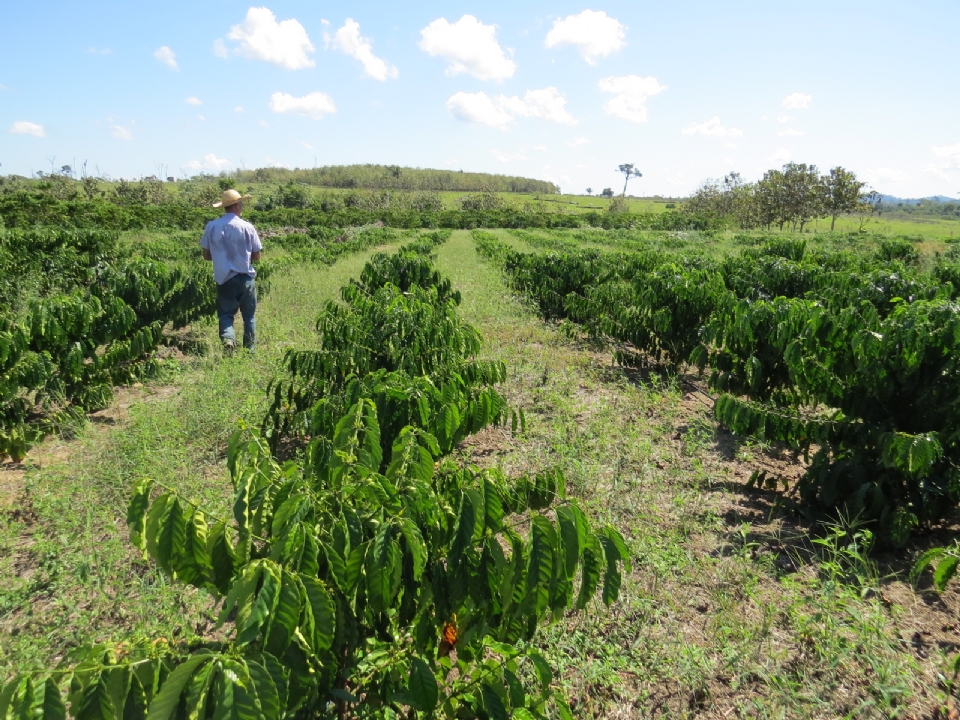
(22, 127)
(540, 148)
(950, 152)
(479, 108)
(938, 172)
(505, 157)
(732, 146)
(314, 105)
(307, 145)
(790, 132)
(469, 46)
(578, 141)
(349, 41)
(239, 109)
(712, 128)
(99, 51)
(276, 164)
(201, 118)
(883, 175)
(120, 132)
(4, 87)
(167, 57)
(780, 157)
(595, 33)
(261, 37)
(500, 112)
(210, 162)
(784, 118)
(220, 49)
(630, 96)
(547, 104)
(796, 101)
(193, 100)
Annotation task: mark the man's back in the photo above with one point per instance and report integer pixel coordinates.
(231, 241)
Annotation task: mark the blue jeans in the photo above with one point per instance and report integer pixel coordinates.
(238, 293)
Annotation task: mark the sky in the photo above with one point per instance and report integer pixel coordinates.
(562, 91)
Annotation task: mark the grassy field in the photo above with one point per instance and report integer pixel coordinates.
(732, 608)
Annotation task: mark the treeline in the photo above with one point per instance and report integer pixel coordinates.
(394, 177)
(795, 195)
(25, 209)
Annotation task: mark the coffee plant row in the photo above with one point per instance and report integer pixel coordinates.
(373, 577)
(855, 357)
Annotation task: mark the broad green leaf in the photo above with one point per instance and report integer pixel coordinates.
(6, 694)
(166, 701)
(492, 703)
(411, 533)
(263, 607)
(137, 513)
(324, 613)
(543, 670)
(96, 703)
(923, 562)
(286, 616)
(52, 707)
(422, 689)
(382, 569)
(591, 567)
(222, 557)
(266, 691)
(946, 569)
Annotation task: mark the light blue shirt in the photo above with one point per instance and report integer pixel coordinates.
(230, 240)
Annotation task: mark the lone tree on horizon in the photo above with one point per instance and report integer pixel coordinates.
(629, 171)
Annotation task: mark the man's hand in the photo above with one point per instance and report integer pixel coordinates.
(255, 256)
(207, 255)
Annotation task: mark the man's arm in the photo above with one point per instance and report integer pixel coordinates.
(207, 255)
(255, 256)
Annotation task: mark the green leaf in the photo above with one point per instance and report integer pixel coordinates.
(266, 691)
(323, 610)
(573, 530)
(946, 569)
(422, 689)
(382, 569)
(286, 617)
(611, 577)
(492, 703)
(96, 703)
(540, 572)
(411, 533)
(171, 536)
(137, 513)
(168, 698)
(52, 706)
(590, 569)
(222, 557)
(543, 670)
(263, 607)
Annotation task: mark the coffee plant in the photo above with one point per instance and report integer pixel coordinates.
(373, 577)
(850, 357)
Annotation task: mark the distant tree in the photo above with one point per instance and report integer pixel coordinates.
(607, 192)
(629, 171)
(589, 191)
(842, 193)
(804, 198)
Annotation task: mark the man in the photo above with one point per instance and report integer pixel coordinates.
(232, 244)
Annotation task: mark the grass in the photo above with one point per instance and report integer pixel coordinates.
(732, 609)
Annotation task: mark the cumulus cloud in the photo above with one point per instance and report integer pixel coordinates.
(796, 101)
(506, 157)
(790, 132)
(479, 108)
(220, 49)
(500, 112)
(711, 128)
(315, 105)
(99, 51)
(349, 41)
(261, 37)
(167, 56)
(469, 47)
(120, 132)
(784, 118)
(781, 156)
(595, 33)
(22, 127)
(578, 141)
(210, 162)
(238, 109)
(193, 100)
(951, 153)
(883, 175)
(630, 96)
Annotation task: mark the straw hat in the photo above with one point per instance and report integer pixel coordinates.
(230, 197)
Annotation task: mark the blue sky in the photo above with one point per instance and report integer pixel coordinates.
(562, 91)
